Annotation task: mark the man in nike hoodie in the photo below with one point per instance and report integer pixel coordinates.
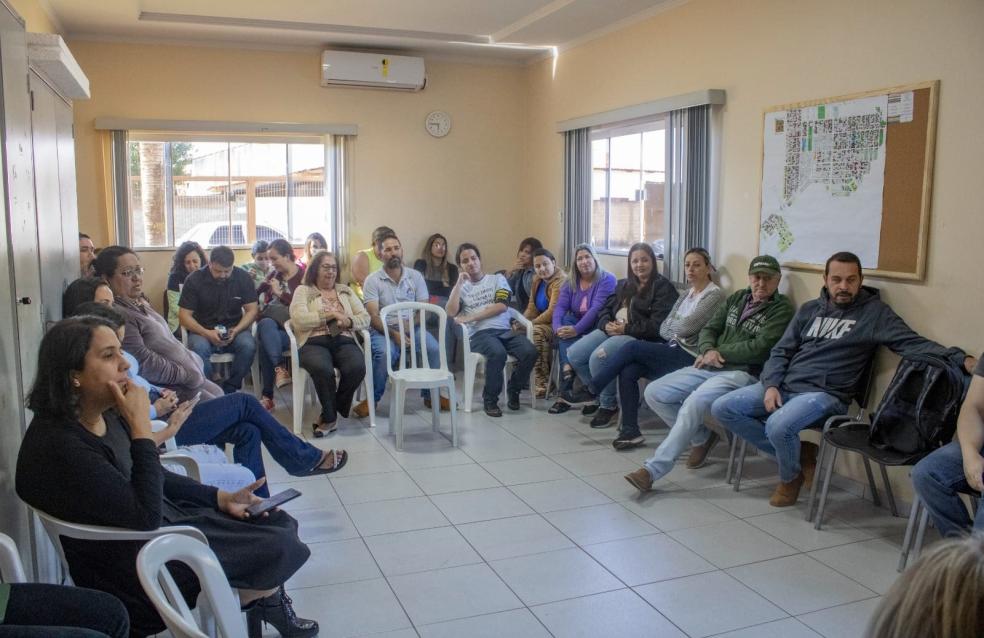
(816, 369)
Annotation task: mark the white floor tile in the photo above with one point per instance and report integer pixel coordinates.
(318, 494)
(480, 505)
(551, 496)
(447, 594)
(373, 462)
(676, 510)
(334, 563)
(518, 536)
(799, 584)
(846, 621)
(421, 550)
(518, 623)
(752, 500)
(788, 628)
(375, 487)
(618, 613)
(433, 452)
(556, 440)
(600, 523)
(872, 563)
(789, 527)
(553, 576)
(320, 525)
(615, 487)
(592, 462)
(648, 559)
(454, 478)
(351, 609)
(708, 604)
(732, 543)
(507, 447)
(385, 517)
(529, 470)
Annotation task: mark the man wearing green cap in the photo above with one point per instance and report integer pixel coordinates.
(733, 346)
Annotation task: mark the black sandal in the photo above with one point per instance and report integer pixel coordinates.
(559, 407)
(339, 459)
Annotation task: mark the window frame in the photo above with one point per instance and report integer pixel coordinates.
(122, 195)
(639, 126)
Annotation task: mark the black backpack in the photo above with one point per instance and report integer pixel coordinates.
(918, 412)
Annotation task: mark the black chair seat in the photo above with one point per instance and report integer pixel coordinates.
(854, 437)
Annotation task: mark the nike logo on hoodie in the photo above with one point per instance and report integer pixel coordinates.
(830, 327)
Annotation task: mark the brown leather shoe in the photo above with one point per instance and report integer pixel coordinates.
(361, 411)
(787, 493)
(698, 453)
(808, 462)
(640, 479)
(445, 404)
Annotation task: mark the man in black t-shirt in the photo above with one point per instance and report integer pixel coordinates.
(957, 468)
(217, 307)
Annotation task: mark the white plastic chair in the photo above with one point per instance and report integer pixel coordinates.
(300, 379)
(226, 358)
(166, 597)
(472, 360)
(172, 455)
(56, 528)
(414, 371)
(11, 567)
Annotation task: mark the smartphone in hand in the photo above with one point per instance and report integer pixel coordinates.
(273, 502)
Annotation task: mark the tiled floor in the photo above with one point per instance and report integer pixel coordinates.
(529, 529)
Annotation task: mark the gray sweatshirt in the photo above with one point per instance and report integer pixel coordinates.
(826, 348)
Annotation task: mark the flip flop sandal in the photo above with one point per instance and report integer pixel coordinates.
(340, 458)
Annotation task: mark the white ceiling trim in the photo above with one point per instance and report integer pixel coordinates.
(217, 126)
(532, 18)
(647, 109)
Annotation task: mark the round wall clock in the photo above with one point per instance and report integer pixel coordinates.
(438, 123)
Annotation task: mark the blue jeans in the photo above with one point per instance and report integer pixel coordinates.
(243, 349)
(938, 479)
(743, 412)
(588, 355)
(239, 419)
(495, 346)
(273, 342)
(633, 361)
(380, 373)
(682, 400)
(563, 345)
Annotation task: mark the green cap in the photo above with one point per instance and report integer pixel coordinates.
(764, 264)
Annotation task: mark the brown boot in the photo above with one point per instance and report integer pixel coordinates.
(787, 493)
(641, 479)
(808, 462)
(698, 453)
(361, 411)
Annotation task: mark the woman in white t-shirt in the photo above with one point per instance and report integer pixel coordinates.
(676, 349)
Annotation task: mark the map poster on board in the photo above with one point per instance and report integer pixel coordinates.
(823, 173)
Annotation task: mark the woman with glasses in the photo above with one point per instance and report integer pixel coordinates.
(325, 315)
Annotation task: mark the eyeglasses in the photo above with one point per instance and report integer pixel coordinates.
(328, 267)
(132, 272)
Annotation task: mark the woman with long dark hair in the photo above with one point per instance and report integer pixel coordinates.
(188, 258)
(439, 273)
(89, 457)
(635, 310)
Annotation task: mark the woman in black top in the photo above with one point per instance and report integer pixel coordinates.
(188, 258)
(88, 457)
(440, 275)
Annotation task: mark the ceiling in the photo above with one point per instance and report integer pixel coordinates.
(499, 30)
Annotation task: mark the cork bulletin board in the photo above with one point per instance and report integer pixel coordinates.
(798, 170)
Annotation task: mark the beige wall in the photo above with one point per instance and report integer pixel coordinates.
(767, 52)
(35, 16)
(465, 185)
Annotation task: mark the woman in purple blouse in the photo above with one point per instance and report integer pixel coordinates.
(581, 299)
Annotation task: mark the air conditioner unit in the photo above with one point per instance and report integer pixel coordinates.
(372, 70)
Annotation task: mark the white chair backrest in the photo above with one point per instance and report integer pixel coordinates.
(163, 592)
(411, 316)
(56, 528)
(11, 568)
(156, 426)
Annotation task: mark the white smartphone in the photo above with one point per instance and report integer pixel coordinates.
(195, 399)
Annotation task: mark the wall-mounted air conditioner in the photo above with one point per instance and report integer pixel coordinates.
(372, 70)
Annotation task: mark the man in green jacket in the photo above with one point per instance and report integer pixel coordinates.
(733, 346)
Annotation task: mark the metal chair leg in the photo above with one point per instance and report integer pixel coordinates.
(826, 487)
(920, 533)
(742, 449)
(731, 457)
(888, 491)
(871, 482)
(910, 529)
(811, 503)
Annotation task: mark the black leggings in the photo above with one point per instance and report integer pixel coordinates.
(37, 609)
(320, 356)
